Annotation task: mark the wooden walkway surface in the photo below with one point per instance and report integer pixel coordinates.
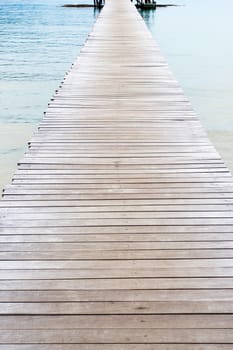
(117, 231)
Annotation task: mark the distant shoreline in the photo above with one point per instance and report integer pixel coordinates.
(90, 5)
(166, 5)
(78, 5)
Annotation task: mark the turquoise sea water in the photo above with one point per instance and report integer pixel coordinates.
(39, 42)
(196, 39)
(40, 39)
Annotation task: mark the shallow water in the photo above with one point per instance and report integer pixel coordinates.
(196, 39)
(40, 40)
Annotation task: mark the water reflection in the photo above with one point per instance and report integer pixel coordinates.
(149, 16)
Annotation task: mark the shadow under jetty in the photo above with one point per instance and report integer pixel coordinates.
(146, 4)
(150, 4)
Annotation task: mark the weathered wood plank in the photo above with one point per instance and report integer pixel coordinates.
(119, 229)
(94, 273)
(117, 222)
(121, 346)
(218, 237)
(121, 264)
(121, 283)
(140, 336)
(119, 254)
(116, 321)
(113, 246)
(118, 295)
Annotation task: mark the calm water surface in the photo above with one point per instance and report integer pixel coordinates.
(40, 39)
(196, 39)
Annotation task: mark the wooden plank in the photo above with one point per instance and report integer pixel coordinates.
(194, 208)
(172, 237)
(94, 273)
(116, 321)
(119, 254)
(117, 308)
(121, 264)
(117, 222)
(114, 196)
(7, 202)
(121, 346)
(140, 336)
(164, 187)
(119, 229)
(120, 283)
(39, 169)
(123, 295)
(168, 214)
(114, 246)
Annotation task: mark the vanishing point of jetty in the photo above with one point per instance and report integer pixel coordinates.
(117, 230)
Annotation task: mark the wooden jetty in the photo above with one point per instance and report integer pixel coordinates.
(117, 231)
